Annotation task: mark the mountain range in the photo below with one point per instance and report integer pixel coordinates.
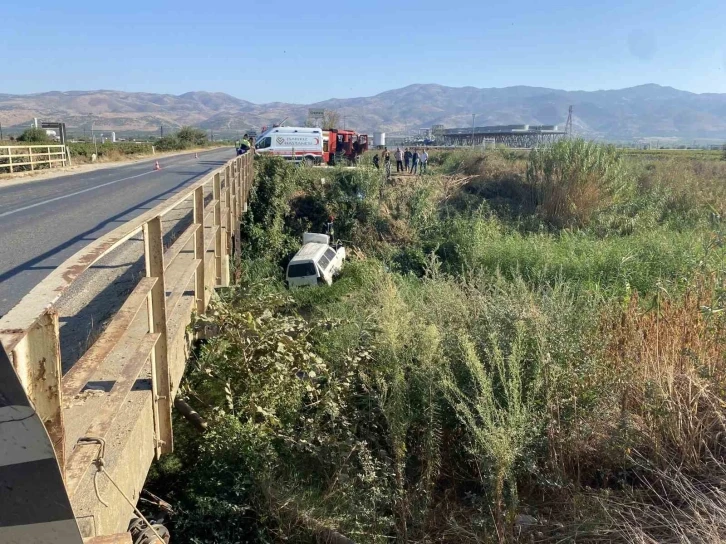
(645, 111)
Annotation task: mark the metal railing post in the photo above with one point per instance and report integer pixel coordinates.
(161, 380)
(217, 195)
(199, 250)
(230, 206)
(37, 360)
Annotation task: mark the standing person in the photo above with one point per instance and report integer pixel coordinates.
(424, 162)
(407, 158)
(414, 161)
(376, 161)
(399, 160)
(387, 162)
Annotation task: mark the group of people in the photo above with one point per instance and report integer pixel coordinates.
(407, 161)
(243, 145)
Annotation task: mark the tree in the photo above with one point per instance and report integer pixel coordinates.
(33, 135)
(331, 119)
(192, 136)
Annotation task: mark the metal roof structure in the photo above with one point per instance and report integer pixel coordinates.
(509, 135)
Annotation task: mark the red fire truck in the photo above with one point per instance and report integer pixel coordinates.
(340, 145)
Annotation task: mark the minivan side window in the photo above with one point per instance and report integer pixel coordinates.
(264, 142)
(326, 258)
(323, 261)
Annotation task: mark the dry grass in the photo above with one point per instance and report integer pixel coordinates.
(674, 358)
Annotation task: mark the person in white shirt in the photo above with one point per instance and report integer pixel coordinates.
(399, 160)
(424, 161)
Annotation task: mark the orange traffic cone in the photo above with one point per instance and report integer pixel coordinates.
(156, 166)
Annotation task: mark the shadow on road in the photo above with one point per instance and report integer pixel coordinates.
(87, 235)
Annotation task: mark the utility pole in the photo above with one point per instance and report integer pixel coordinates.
(1, 131)
(161, 131)
(568, 125)
(473, 119)
(95, 145)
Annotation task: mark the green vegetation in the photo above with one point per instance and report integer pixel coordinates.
(34, 135)
(521, 348)
(186, 138)
(107, 150)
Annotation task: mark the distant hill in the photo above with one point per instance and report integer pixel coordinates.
(635, 112)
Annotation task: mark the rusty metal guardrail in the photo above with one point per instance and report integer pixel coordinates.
(178, 281)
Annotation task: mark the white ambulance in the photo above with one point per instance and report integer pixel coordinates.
(292, 143)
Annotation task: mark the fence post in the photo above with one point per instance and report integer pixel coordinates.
(37, 360)
(217, 195)
(235, 206)
(10, 158)
(199, 249)
(226, 224)
(161, 382)
(230, 205)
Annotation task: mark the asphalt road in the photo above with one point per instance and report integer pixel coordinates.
(42, 223)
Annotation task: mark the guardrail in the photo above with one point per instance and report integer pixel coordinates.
(12, 158)
(178, 281)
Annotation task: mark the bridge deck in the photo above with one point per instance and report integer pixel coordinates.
(120, 394)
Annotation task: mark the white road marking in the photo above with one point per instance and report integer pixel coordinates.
(55, 199)
(18, 210)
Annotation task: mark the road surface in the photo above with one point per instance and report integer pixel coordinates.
(42, 223)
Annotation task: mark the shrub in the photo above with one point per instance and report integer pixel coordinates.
(33, 135)
(191, 136)
(169, 143)
(572, 179)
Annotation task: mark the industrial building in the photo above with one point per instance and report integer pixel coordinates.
(510, 135)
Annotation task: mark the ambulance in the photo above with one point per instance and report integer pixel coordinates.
(299, 144)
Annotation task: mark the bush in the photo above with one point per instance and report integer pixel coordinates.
(192, 136)
(573, 179)
(108, 150)
(34, 135)
(169, 143)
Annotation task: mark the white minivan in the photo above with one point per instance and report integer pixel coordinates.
(315, 263)
(292, 143)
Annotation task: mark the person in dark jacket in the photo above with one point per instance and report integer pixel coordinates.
(414, 161)
(376, 161)
(407, 158)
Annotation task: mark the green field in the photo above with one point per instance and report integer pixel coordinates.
(521, 348)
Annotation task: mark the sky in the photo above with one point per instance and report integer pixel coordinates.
(303, 52)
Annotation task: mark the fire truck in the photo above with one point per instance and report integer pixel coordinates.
(343, 145)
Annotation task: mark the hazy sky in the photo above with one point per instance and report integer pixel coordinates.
(305, 51)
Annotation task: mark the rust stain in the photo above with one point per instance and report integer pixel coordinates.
(12, 331)
(73, 271)
(41, 369)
